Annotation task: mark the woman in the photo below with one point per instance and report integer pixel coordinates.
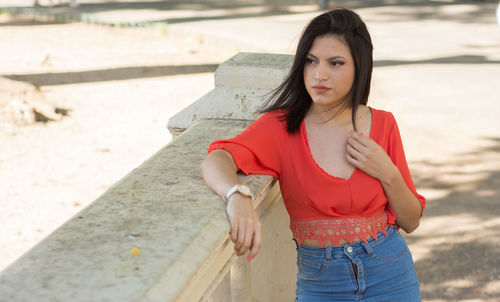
(342, 170)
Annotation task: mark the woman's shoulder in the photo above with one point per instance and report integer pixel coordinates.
(274, 118)
(277, 112)
(384, 123)
(383, 116)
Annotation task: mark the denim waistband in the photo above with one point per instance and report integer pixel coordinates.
(357, 247)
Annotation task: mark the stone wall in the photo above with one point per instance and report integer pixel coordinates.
(241, 86)
(160, 234)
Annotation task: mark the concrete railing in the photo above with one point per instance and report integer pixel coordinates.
(160, 234)
(241, 85)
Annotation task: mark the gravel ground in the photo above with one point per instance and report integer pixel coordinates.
(120, 87)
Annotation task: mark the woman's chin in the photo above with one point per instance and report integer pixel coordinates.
(324, 102)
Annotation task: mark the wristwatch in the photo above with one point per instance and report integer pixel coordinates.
(242, 189)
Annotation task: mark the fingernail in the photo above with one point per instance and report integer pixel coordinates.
(238, 254)
(249, 259)
(362, 133)
(350, 131)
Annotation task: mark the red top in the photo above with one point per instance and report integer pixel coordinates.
(311, 194)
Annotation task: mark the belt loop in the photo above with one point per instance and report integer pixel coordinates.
(329, 252)
(367, 247)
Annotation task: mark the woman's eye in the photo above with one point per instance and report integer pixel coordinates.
(337, 63)
(309, 61)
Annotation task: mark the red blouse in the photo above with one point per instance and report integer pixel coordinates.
(321, 206)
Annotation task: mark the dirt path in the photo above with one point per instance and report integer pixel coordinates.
(120, 87)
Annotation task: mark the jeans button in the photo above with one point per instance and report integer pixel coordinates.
(349, 249)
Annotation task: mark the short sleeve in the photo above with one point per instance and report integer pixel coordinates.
(397, 154)
(259, 148)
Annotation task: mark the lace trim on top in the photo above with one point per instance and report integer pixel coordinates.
(339, 228)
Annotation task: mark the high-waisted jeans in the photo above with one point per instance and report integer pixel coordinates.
(378, 270)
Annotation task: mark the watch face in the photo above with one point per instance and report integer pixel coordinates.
(245, 190)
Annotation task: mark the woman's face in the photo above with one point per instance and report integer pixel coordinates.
(328, 71)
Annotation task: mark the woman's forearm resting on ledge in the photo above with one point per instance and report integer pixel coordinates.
(219, 171)
(220, 174)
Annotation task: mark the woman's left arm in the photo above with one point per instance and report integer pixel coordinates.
(365, 154)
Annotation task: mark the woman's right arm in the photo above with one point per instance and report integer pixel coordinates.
(220, 174)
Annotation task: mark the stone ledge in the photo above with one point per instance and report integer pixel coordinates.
(241, 85)
(163, 208)
(253, 71)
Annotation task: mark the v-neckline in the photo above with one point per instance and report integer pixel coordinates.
(337, 178)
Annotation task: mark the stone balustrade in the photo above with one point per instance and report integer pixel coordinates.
(160, 234)
(241, 85)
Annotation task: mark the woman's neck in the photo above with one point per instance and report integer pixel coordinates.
(330, 116)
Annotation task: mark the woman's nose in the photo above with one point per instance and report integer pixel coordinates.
(321, 72)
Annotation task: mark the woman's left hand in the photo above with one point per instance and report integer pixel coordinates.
(365, 154)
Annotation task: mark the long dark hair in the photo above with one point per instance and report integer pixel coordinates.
(292, 95)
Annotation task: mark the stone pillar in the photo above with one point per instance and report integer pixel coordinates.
(223, 291)
(241, 283)
(241, 87)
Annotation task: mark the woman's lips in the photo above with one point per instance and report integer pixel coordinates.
(320, 89)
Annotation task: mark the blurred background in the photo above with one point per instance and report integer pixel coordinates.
(87, 88)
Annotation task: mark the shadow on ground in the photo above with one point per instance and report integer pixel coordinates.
(458, 11)
(110, 74)
(27, 22)
(463, 59)
(137, 72)
(462, 258)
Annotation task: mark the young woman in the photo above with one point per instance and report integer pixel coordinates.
(342, 170)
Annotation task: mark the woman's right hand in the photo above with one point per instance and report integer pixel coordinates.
(220, 173)
(246, 229)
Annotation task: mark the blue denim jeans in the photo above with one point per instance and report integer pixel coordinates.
(378, 270)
